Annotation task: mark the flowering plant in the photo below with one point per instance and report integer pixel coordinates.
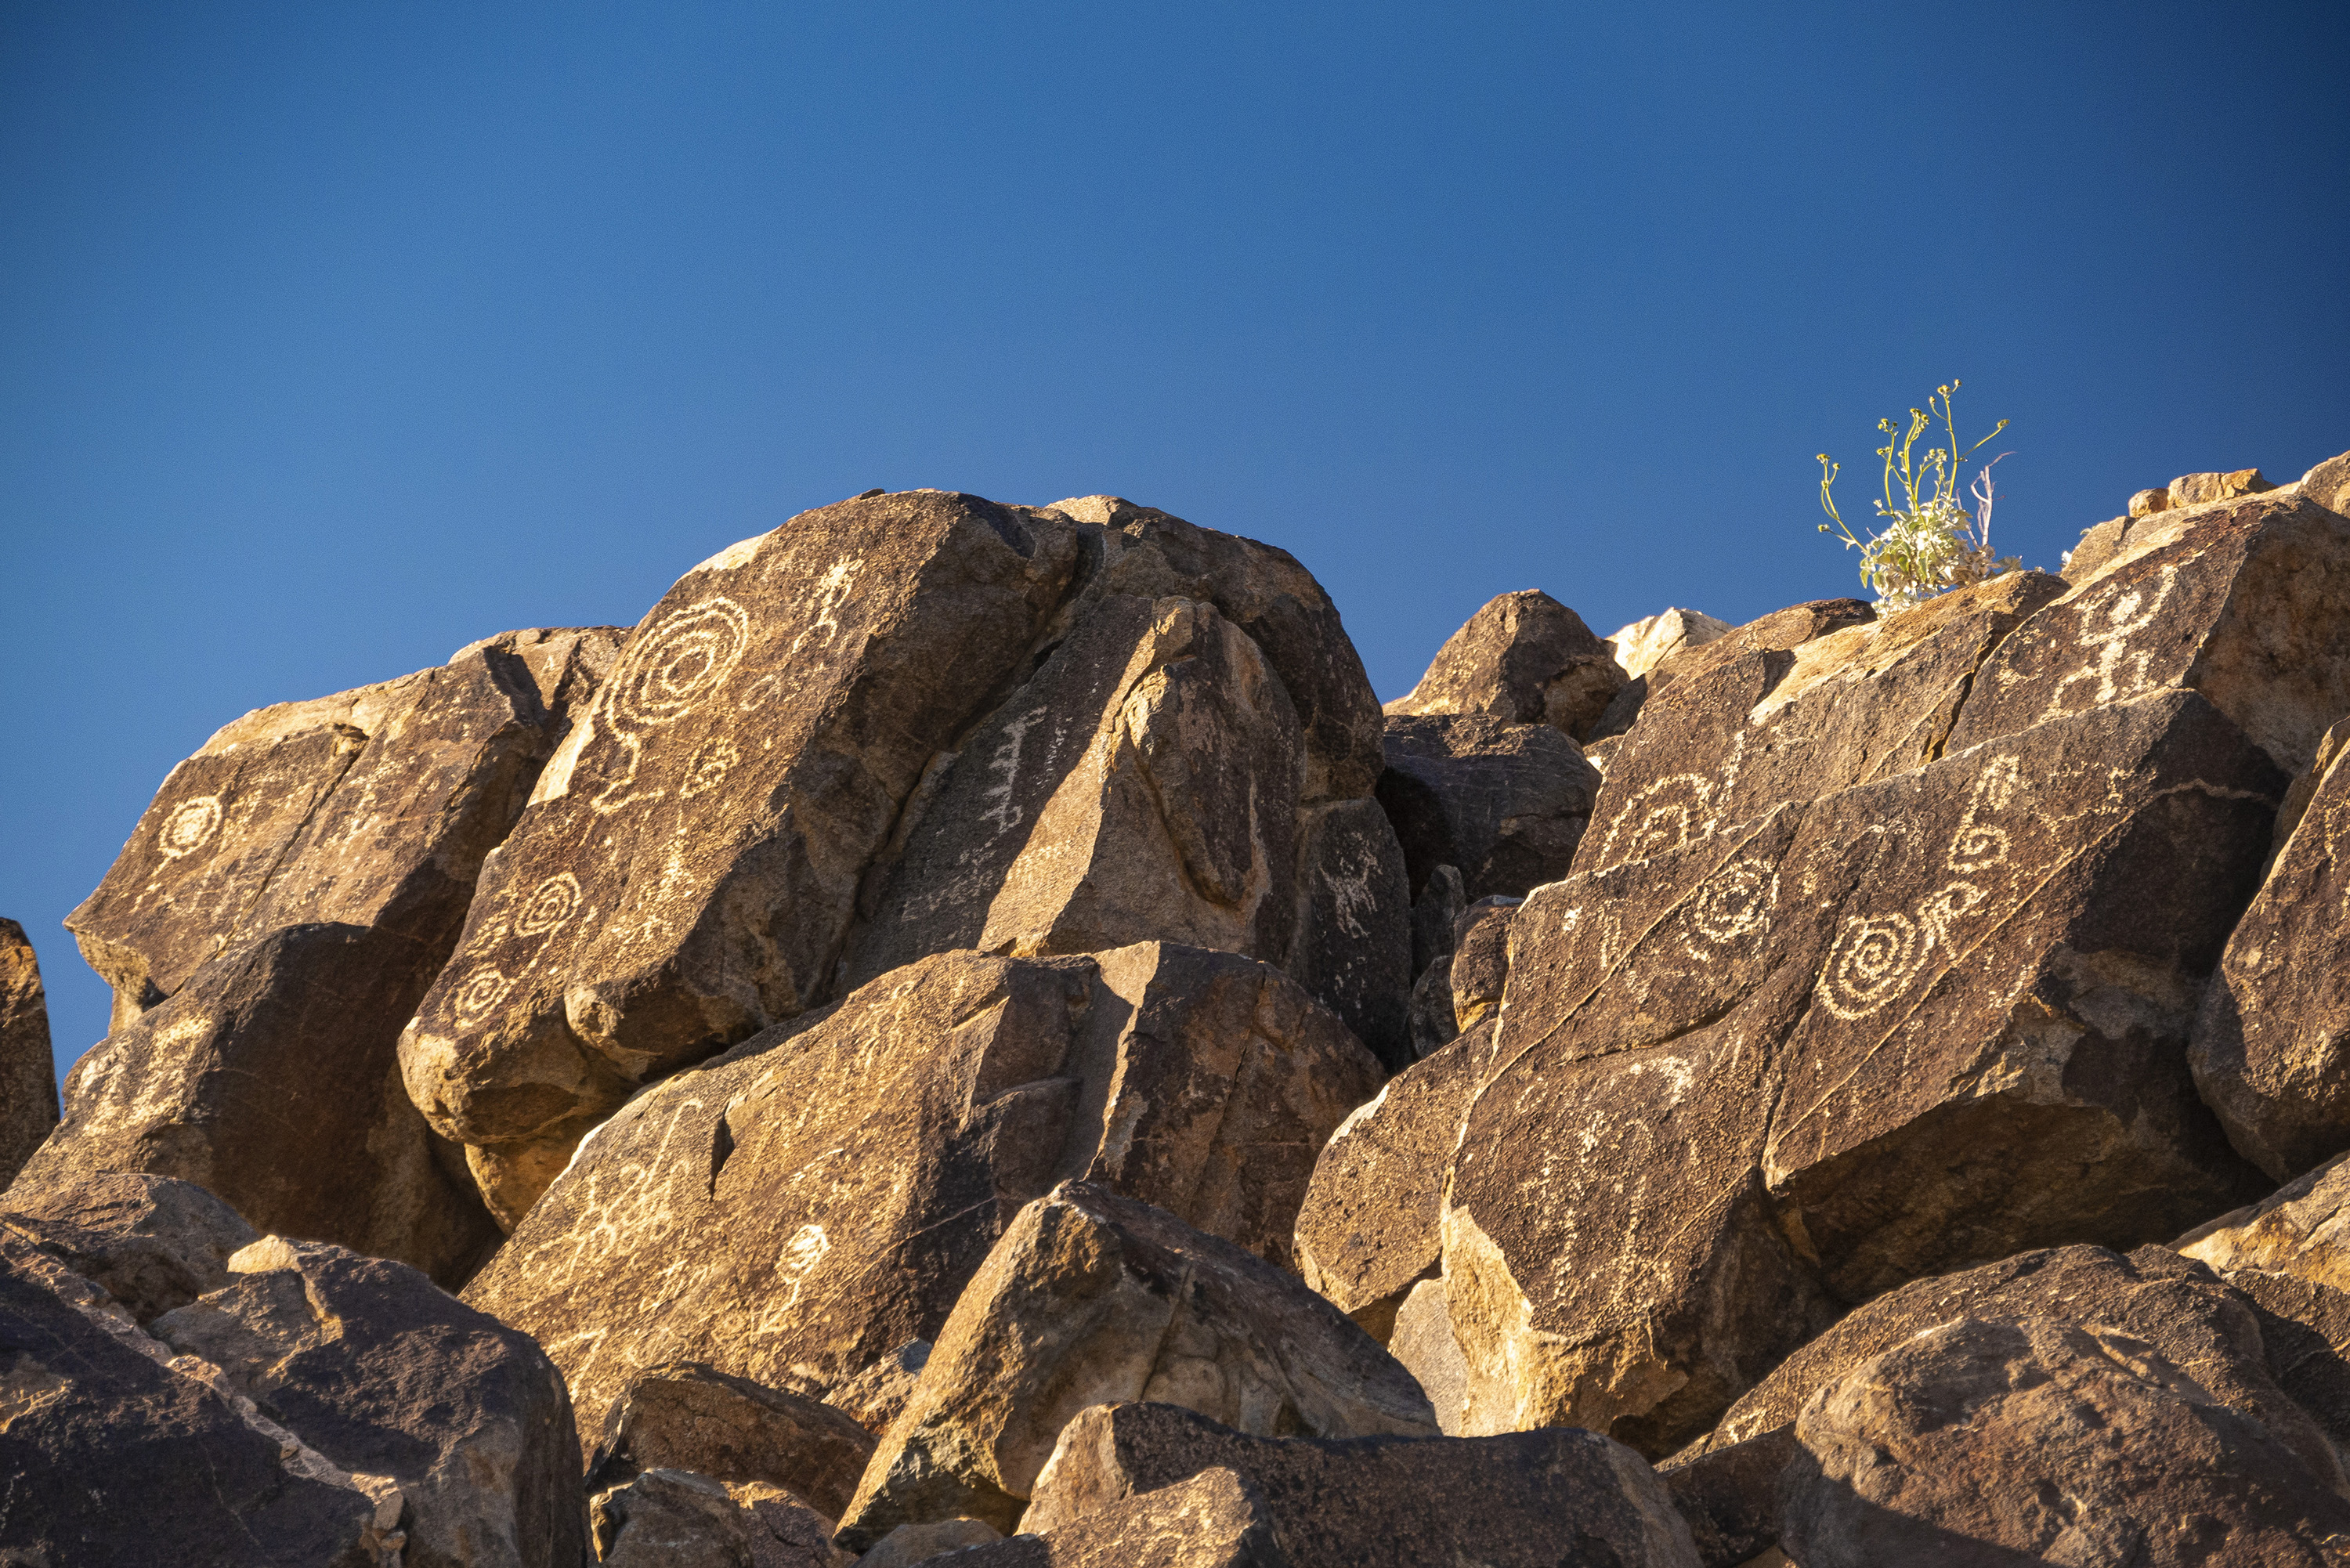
(1930, 541)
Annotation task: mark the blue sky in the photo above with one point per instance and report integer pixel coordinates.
(334, 336)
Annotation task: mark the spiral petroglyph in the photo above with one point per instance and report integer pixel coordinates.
(550, 903)
(190, 826)
(680, 661)
(1736, 901)
(1875, 959)
(480, 995)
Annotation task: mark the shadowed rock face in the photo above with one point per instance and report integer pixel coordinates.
(222, 1085)
(1090, 1298)
(386, 1375)
(28, 1073)
(1529, 1500)
(2272, 1046)
(1891, 1031)
(1216, 1519)
(688, 1416)
(1507, 804)
(797, 1211)
(150, 1242)
(2174, 1304)
(2043, 1440)
(1524, 658)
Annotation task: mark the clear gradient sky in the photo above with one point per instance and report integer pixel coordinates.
(333, 337)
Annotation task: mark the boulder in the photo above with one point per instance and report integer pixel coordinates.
(2271, 1045)
(1730, 1497)
(1647, 643)
(684, 874)
(28, 1073)
(1480, 961)
(1560, 1496)
(1733, 736)
(1900, 1028)
(117, 1453)
(687, 1416)
(373, 808)
(2305, 1329)
(874, 1396)
(2198, 489)
(1352, 949)
(271, 1077)
(2043, 1439)
(1507, 803)
(1774, 633)
(1092, 1298)
(910, 1543)
(676, 1519)
(2100, 543)
(2300, 1228)
(565, 663)
(1369, 1229)
(1217, 1519)
(1524, 658)
(2172, 1304)
(1436, 909)
(385, 1375)
(799, 1209)
(1433, 1028)
(150, 1242)
(2247, 602)
(2328, 484)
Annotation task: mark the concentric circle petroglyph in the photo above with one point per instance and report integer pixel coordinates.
(1663, 817)
(1875, 959)
(479, 996)
(709, 767)
(550, 903)
(190, 826)
(1736, 901)
(677, 663)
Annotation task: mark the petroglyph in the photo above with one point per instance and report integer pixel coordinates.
(190, 826)
(2129, 610)
(663, 676)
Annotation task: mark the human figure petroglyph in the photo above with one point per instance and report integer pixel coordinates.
(832, 591)
(2127, 609)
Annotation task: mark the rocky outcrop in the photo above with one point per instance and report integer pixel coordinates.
(1524, 658)
(1369, 1229)
(150, 1242)
(28, 1073)
(385, 1375)
(2047, 1439)
(1557, 1496)
(1216, 1519)
(1506, 803)
(1777, 632)
(314, 1406)
(223, 1085)
(676, 1519)
(1091, 1299)
(799, 1209)
(2272, 1040)
(687, 1416)
(1879, 1034)
(1648, 642)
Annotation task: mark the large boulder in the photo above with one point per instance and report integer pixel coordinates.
(1216, 1519)
(1902, 1028)
(2271, 1045)
(686, 869)
(1529, 1500)
(687, 1416)
(150, 1242)
(1369, 1227)
(2046, 1439)
(1507, 804)
(28, 1073)
(2302, 1229)
(677, 1518)
(1524, 658)
(1091, 1298)
(278, 914)
(386, 1374)
(797, 1211)
(223, 1084)
(373, 807)
(2173, 1304)
(120, 1453)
